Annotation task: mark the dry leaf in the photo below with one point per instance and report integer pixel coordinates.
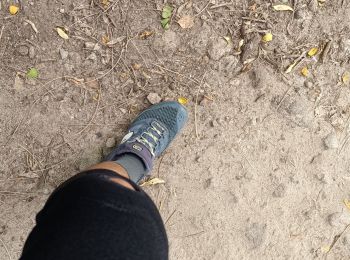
(153, 181)
(182, 100)
(115, 41)
(267, 37)
(347, 203)
(346, 78)
(62, 33)
(186, 22)
(305, 71)
(144, 35)
(105, 39)
(13, 9)
(291, 67)
(283, 8)
(312, 52)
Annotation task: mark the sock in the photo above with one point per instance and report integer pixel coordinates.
(133, 165)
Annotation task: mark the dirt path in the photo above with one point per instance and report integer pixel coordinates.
(262, 169)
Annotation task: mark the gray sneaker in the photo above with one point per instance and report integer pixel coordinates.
(152, 132)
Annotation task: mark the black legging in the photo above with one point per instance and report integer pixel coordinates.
(91, 217)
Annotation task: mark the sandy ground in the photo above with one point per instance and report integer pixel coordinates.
(262, 168)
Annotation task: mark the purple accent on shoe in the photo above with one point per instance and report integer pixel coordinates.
(135, 148)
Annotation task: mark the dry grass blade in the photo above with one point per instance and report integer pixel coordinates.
(6, 249)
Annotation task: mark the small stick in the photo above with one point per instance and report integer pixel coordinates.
(94, 114)
(195, 107)
(170, 216)
(205, 7)
(2, 30)
(7, 251)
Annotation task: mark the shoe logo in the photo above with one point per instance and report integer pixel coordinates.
(127, 137)
(137, 147)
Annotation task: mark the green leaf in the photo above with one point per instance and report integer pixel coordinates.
(167, 11)
(167, 26)
(33, 73)
(165, 23)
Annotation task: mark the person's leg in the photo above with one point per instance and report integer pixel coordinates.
(102, 213)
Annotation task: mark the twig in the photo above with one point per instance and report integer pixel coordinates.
(195, 106)
(336, 238)
(205, 7)
(284, 97)
(170, 216)
(7, 251)
(94, 114)
(2, 30)
(198, 233)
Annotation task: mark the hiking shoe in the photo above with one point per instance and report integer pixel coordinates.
(152, 132)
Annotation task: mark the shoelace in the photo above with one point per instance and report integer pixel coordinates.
(155, 128)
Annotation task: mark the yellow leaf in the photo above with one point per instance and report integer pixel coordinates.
(186, 22)
(153, 181)
(267, 37)
(346, 77)
(105, 39)
(305, 71)
(291, 67)
(325, 249)
(283, 8)
(105, 2)
(312, 52)
(347, 203)
(13, 9)
(182, 100)
(62, 33)
(145, 34)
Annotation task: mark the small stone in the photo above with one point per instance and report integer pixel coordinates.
(280, 191)
(90, 45)
(199, 159)
(90, 157)
(337, 219)
(313, 5)
(308, 84)
(154, 98)
(61, 10)
(92, 57)
(219, 48)
(255, 235)
(31, 52)
(110, 143)
(331, 141)
(302, 15)
(63, 53)
(23, 50)
(214, 123)
(123, 110)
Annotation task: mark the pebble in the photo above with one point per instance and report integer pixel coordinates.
(92, 57)
(154, 98)
(23, 50)
(63, 53)
(31, 52)
(308, 84)
(255, 235)
(219, 48)
(90, 45)
(110, 143)
(331, 141)
(313, 5)
(337, 219)
(280, 191)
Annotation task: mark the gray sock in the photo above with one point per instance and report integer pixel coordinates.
(133, 165)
